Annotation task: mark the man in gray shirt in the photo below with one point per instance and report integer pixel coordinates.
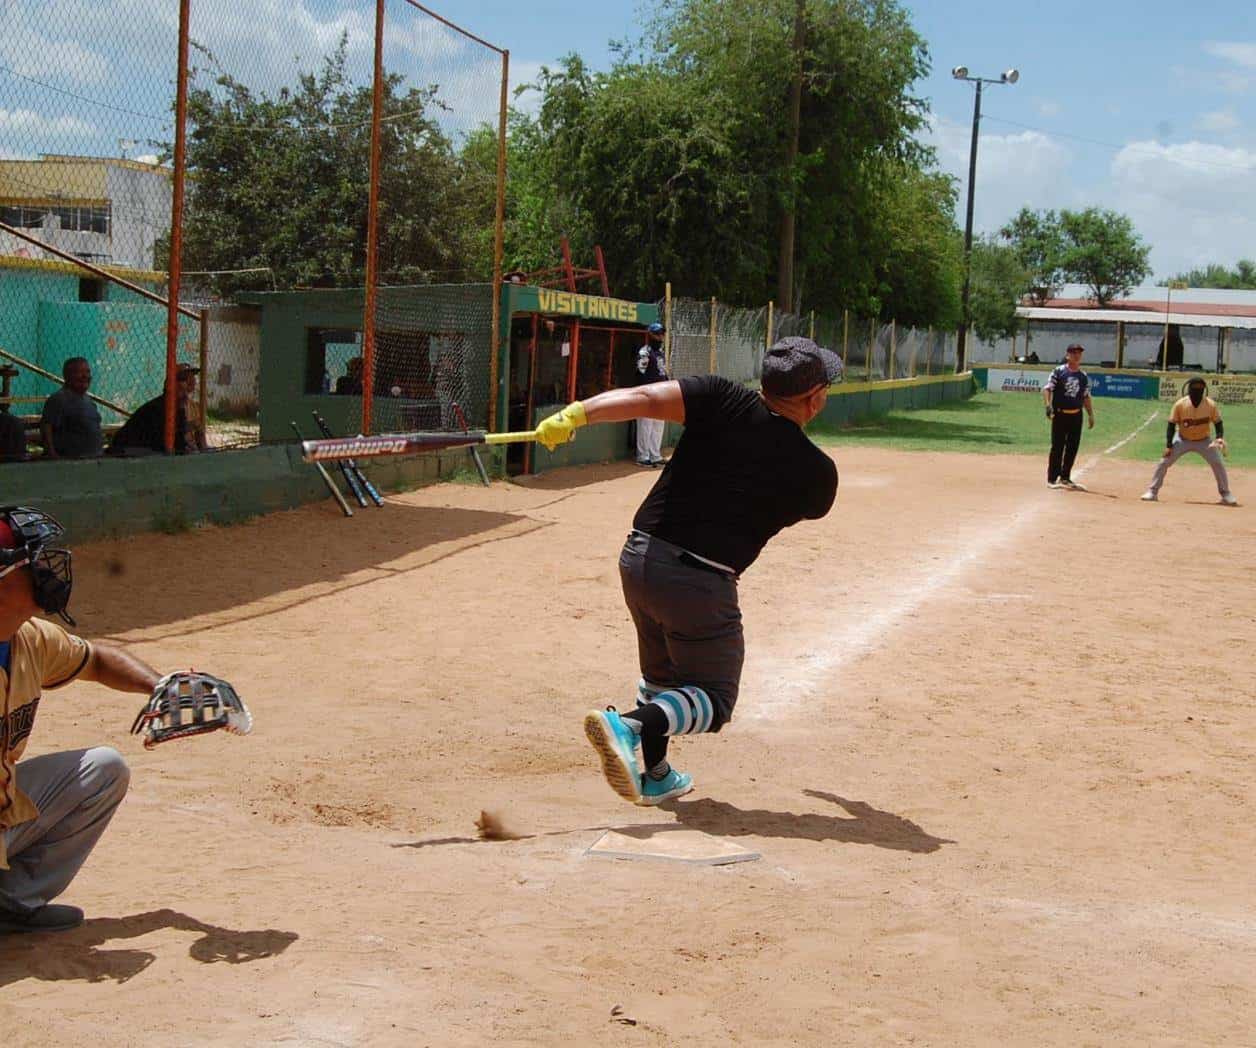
(70, 423)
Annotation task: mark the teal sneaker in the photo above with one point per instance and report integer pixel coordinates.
(616, 744)
(674, 784)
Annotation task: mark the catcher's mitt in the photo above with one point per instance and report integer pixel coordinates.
(189, 703)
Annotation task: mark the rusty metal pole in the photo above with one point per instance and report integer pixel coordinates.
(372, 228)
(499, 240)
(175, 265)
(203, 385)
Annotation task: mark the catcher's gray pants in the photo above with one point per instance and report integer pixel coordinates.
(77, 793)
(1203, 447)
(687, 618)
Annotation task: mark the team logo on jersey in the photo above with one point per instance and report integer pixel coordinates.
(21, 721)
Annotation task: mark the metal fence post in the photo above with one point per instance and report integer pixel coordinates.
(872, 343)
(889, 371)
(667, 327)
(499, 238)
(174, 275)
(372, 227)
(845, 336)
(812, 331)
(711, 365)
(768, 343)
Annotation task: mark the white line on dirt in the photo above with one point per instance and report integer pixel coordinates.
(780, 684)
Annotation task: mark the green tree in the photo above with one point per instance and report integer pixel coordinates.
(1241, 278)
(1103, 251)
(1037, 240)
(999, 280)
(679, 160)
(282, 181)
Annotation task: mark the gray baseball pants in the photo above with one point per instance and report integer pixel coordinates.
(77, 793)
(688, 621)
(1182, 447)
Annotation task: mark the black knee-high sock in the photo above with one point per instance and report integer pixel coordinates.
(654, 728)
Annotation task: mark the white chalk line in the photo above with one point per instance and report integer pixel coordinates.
(781, 684)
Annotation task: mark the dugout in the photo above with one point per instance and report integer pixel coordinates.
(561, 346)
(431, 351)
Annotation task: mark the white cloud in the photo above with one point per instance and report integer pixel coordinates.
(1025, 169)
(1243, 54)
(1046, 107)
(30, 51)
(25, 122)
(1221, 120)
(1189, 201)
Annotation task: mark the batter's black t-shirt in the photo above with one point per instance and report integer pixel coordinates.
(739, 474)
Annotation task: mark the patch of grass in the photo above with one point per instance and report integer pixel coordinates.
(1014, 423)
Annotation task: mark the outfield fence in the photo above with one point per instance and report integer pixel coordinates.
(708, 337)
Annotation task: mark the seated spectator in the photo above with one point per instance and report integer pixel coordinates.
(12, 437)
(70, 423)
(145, 430)
(350, 384)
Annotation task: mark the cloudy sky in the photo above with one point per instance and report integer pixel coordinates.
(1149, 107)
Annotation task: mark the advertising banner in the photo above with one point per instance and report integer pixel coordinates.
(1016, 380)
(1224, 389)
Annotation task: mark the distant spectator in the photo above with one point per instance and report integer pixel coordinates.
(145, 430)
(1033, 358)
(350, 383)
(70, 423)
(12, 437)
(1173, 358)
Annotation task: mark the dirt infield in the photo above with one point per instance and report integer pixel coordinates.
(995, 745)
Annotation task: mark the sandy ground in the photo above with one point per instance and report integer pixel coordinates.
(995, 745)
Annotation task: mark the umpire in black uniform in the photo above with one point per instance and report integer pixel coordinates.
(743, 470)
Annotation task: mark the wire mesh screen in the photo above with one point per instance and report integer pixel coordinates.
(435, 222)
(731, 346)
(431, 357)
(85, 112)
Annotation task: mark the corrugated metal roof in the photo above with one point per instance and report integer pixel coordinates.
(1219, 302)
(1136, 316)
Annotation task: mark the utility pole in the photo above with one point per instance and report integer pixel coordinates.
(785, 263)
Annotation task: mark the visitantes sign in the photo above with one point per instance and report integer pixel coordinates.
(572, 303)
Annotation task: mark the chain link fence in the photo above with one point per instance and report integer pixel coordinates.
(707, 337)
(434, 225)
(283, 120)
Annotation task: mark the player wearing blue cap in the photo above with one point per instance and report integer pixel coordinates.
(651, 367)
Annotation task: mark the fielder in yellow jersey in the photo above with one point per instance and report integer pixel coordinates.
(1192, 418)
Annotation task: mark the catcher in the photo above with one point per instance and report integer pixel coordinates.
(1192, 417)
(743, 470)
(54, 808)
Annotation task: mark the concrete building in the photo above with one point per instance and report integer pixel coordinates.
(1208, 329)
(105, 210)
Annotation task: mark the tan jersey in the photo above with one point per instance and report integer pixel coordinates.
(1194, 423)
(41, 655)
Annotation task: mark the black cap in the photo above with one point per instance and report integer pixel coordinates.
(796, 364)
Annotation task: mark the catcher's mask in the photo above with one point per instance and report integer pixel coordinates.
(1195, 388)
(33, 530)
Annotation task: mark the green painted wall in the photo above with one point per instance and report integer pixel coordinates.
(123, 337)
(287, 318)
(101, 498)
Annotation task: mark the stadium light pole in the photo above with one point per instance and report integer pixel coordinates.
(961, 73)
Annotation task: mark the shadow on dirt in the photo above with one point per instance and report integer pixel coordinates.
(155, 579)
(862, 824)
(77, 954)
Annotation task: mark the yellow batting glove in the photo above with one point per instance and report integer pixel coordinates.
(560, 427)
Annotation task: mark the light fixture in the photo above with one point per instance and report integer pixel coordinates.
(959, 72)
(1011, 76)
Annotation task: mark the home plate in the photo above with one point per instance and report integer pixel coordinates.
(669, 844)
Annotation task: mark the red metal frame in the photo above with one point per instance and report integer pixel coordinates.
(174, 277)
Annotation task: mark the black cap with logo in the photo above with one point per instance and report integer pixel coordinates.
(796, 365)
